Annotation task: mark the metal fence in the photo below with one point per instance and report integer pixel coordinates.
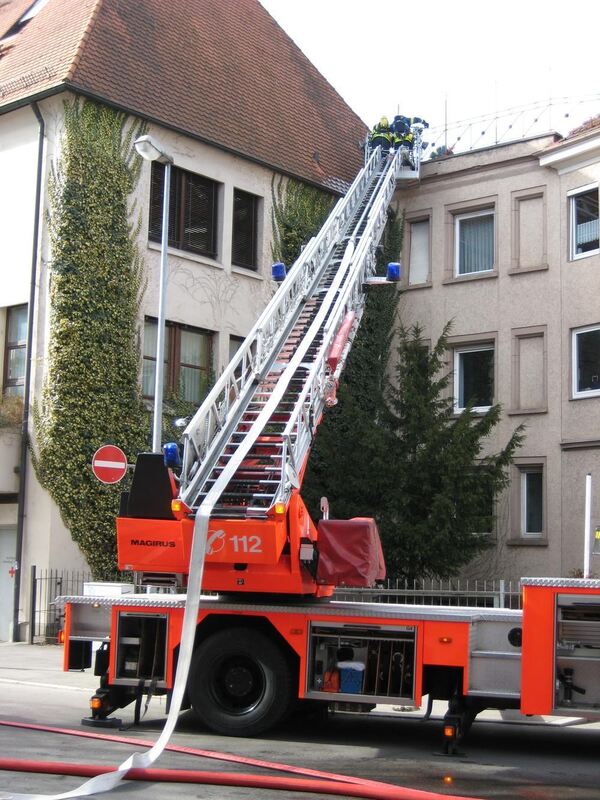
(449, 592)
(45, 618)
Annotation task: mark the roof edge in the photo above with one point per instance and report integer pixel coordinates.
(83, 40)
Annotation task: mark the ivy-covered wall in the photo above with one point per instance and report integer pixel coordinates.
(91, 393)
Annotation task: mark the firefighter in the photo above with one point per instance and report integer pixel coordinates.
(402, 136)
(381, 135)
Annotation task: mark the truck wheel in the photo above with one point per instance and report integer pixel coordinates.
(241, 682)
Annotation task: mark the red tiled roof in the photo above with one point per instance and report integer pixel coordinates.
(221, 70)
(588, 125)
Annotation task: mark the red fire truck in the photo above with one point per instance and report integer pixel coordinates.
(229, 521)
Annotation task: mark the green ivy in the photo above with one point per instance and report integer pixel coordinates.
(298, 212)
(91, 394)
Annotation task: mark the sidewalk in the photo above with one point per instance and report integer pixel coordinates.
(41, 665)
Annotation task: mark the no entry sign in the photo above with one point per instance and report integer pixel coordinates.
(109, 463)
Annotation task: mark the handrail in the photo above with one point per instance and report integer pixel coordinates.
(222, 408)
(303, 421)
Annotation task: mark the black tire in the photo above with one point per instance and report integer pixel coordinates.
(241, 682)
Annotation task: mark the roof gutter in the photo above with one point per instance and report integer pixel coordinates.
(77, 89)
(28, 370)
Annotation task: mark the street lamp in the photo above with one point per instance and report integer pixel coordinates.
(150, 150)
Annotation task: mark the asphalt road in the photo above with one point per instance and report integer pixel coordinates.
(531, 760)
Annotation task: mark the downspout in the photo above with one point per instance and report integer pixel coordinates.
(28, 369)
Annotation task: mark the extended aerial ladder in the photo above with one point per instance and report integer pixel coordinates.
(246, 448)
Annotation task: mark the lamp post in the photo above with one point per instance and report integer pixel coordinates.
(150, 150)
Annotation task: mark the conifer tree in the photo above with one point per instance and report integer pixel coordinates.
(438, 510)
(393, 448)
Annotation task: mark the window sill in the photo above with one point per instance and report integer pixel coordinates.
(532, 541)
(248, 273)
(526, 270)
(591, 395)
(474, 276)
(515, 412)
(186, 254)
(580, 444)
(409, 287)
(580, 256)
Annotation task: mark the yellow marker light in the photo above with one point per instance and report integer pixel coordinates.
(445, 640)
(448, 779)
(179, 508)
(449, 731)
(96, 703)
(279, 509)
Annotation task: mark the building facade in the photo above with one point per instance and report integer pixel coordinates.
(503, 243)
(224, 106)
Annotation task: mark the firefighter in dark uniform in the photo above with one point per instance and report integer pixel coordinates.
(381, 135)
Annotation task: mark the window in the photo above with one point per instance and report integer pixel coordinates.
(187, 360)
(474, 377)
(418, 259)
(15, 348)
(192, 210)
(474, 242)
(30, 13)
(586, 362)
(244, 238)
(584, 223)
(532, 501)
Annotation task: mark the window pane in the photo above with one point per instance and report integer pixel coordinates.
(195, 349)
(199, 214)
(533, 516)
(156, 204)
(476, 378)
(148, 372)
(149, 357)
(17, 325)
(585, 221)
(244, 229)
(475, 244)
(588, 361)
(193, 384)
(16, 364)
(419, 252)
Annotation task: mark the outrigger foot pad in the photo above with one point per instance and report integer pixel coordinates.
(107, 722)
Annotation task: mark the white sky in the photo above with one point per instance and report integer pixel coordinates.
(385, 58)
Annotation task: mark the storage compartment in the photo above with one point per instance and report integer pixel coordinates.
(141, 648)
(577, 663)
(352, 662)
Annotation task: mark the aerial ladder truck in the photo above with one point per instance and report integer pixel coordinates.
(230, 521)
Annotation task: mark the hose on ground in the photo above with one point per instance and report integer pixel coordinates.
(313, 780)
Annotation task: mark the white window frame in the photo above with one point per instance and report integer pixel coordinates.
(458, 218)
(458, 351)
(577, 395)
(572, 195)
(427, 278)
(524, 471)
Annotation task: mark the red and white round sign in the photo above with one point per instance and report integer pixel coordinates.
(109, 463)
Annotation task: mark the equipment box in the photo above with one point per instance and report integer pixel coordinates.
(352, 674)
(359, 663)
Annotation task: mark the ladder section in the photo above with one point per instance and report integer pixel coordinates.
(211, 425)
(252, 490)
(257, 399)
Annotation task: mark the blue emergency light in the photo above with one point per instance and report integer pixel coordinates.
(393, 271)
(278, 271)
(172, 455)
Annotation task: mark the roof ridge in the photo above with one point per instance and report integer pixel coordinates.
(85, 36)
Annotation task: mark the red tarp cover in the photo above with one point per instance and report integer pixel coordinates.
(350, 552)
